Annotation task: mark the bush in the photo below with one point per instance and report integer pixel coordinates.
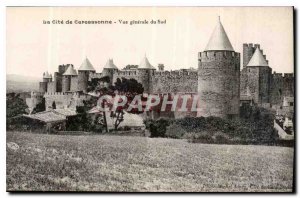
(203, 137)
(124, 128)
(175, 131)
(221, 138)
(158, 127)
(256, 128)
(15, 106)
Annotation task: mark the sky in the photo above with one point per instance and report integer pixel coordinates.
(33, 47)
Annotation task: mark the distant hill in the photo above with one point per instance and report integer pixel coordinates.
(20, 83)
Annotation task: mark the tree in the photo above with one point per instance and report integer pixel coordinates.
(83, 121)
(98, 84)
(41, 106)
(14, 105)
(128, 87)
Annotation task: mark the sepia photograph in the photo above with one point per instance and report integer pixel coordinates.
(150, 99)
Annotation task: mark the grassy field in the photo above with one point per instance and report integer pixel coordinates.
(121, 163)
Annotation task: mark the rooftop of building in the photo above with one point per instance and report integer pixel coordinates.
(86, 66)
(70, 71)
(257, 59)
(110, 65)
(54, 115)
(145, 64)
(47, 116)
(219, 40)
(47, 75)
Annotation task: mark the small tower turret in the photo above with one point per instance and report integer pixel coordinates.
(109, 69)
(47, 77)
(43, 86)
(145, 73)
(83, 74)
(67, 76)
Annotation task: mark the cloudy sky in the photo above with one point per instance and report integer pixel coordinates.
(34, 47)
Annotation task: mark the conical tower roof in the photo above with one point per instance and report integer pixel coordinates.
(219, 40)
(70, 71)
(47, 75)
(86, 65)
(110, 64)
(257, 59)
(145, 64)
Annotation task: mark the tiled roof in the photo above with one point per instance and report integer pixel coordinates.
(65, 112)
(47, 116)
(52, 115)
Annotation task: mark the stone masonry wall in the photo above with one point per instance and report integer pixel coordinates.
(175, 81)
(252, 80)
(66, 83)
(51, 88)
(265, 75)
(218, 84)
(74, 83)
(83, 77)
(43, 86)
(62, 100)
(163, 81)
(248, 51)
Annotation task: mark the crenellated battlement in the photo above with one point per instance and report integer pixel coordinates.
(250, 45)
(67, 94)
(81, 96)
(57, 94)
(257, 46)
(277, 75)
(217, 55)
(283, 75)
(95, 75)
(126, 72)
(176, 73)
(247, 44)
(288, 75)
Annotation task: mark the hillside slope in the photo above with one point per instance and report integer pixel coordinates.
(119, 163)
(19, 83)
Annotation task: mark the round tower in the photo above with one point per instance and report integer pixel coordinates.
(109, 69)
(218, 77)
(145, 73)
(67, 76)
(47, 77)
(43, 86)
(83, 74)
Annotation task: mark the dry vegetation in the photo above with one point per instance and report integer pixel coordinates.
(119, 163)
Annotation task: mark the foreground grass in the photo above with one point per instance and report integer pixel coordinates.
(119, 163)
